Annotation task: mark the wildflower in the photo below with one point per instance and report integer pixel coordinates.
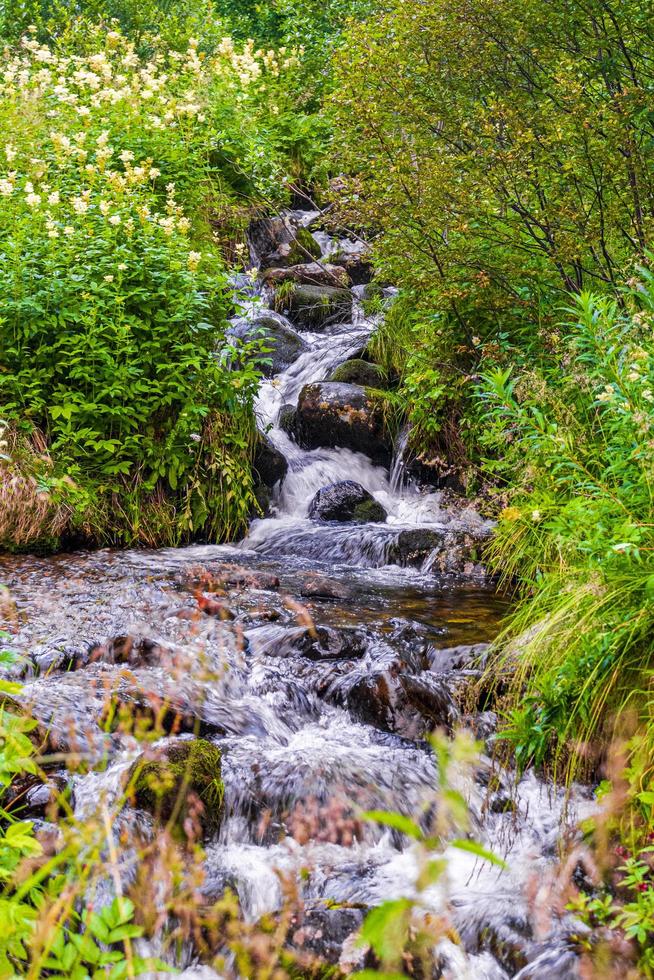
(154, 173)
(6, 187)
(53, 198)
(10, 152)
(126, 156)
(647, 395)
(69, 230)
(535, 516)
(108, 278)
(510, 514)
(114, 219)
(122, 266)
(104, 208)
(80, 205)
(194, 260)
(33, 200)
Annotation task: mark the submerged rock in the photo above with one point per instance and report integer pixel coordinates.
(315, 586)
(312, 643)
(316, 307)
(335, 414)
(182, 779)
(359, 372)
(285, 344)
(346, 501)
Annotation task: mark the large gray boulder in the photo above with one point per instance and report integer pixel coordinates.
(334, 414)
(317, 307)
(345, 501)
(285, 344)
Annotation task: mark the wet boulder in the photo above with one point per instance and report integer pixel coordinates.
(346, 501)
(284, 344)
(450, 550)
(288, 419)
(315, 586)
(359, 372)
(354, 257)
(334, 414)
(309, 274)
(323, 931)
(317, 307)
(277, 243)
(312, 643)
(179, 783)
(432, 697)
(269, 463)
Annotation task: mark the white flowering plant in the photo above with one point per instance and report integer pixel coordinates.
(113, 295)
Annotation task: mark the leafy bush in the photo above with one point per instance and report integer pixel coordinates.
(577, 450)
(501, 155)
(112, 300)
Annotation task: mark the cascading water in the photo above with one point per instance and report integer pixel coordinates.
(345, 648)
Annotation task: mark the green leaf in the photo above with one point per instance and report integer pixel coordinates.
(472, 847)
(395, 820)
(386, 928)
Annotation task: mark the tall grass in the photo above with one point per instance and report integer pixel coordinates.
(577, 440)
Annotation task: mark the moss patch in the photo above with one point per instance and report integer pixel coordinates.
(183, 773)
(304, 242)
(359, 372)
(369, 510)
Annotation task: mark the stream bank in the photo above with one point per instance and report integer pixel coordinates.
(317, 655)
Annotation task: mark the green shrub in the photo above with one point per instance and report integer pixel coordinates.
(499, 156)
(113, 301)
(574, 444)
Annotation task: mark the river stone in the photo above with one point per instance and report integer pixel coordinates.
(355, 258)
(359, 372)
(269, 463)
(312, 643)
(346, 501)
(324, 931)
(432, 697)
(285, 344)
(266, 234)
(183, 778)
(288, 419)
(316, 307)
(293, 246)
(315, 586)
(310, 274)
(335, 414)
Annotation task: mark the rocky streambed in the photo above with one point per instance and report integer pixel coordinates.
(316, 657)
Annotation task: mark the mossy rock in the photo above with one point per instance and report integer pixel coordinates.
(359, 372)
(369, 510)
(181, 774)
(303, 243)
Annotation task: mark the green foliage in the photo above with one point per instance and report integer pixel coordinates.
(501, 156)
(113, 301)
(577, 450)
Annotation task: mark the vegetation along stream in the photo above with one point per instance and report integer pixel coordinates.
(326, 378)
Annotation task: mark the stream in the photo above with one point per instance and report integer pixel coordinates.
(341, 647)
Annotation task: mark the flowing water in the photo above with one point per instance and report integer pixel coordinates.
(320, 691)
